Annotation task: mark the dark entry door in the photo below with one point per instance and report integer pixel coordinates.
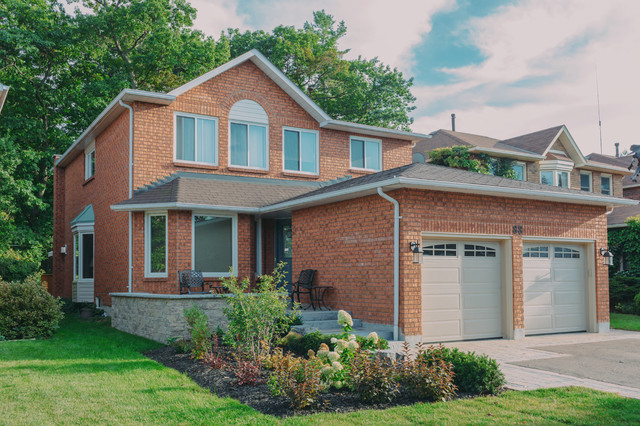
(284, 248)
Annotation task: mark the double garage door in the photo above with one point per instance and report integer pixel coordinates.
(463, 291)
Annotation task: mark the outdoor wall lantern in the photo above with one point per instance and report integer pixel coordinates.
(417, 251)
(608, 256)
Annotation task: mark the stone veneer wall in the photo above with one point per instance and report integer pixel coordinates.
(161, 316)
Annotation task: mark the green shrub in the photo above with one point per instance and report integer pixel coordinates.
(20, 265)
(476, 374)
(637, 301)
(374, 378)
(181, 346)
(27, 310)
(622, 290)
(298, 379)
(428, 376)
(300, 345)
(198, 325)
(256, 319)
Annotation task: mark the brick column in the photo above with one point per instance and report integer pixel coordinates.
(517, 286)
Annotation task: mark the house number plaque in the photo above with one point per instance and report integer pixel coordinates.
(517, 229)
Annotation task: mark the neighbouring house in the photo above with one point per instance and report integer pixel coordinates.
(238, 168)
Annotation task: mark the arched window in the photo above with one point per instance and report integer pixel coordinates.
(248, 135)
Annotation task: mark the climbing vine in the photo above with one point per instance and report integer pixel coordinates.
(459, 157)
(624, 243)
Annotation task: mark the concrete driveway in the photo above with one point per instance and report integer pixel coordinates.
(603, 361)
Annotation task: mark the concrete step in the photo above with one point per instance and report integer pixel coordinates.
(319, 316)
(362, 331)
(331, 323)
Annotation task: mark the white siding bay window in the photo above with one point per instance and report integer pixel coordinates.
(300, 150)
(82, 227)
(196, 138)
(248, 136)
(215, 244)
(555, 173)
(366, 154)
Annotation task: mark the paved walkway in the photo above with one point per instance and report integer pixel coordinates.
(508, 352)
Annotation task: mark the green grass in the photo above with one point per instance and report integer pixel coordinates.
(91, 373)
(625, 321)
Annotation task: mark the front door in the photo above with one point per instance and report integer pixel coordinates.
(284, 247)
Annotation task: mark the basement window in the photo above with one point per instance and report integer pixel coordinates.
(448, 250)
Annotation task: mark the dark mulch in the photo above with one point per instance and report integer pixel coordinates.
(222, 383)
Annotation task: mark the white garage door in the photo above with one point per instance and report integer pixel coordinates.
(461, 291)
(554, 288)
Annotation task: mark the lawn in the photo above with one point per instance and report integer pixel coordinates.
(625, 322)
(91, 373)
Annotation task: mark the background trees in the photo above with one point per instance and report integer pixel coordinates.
(63, 69)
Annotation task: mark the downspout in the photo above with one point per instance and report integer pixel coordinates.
(130, 191)
(396, 260)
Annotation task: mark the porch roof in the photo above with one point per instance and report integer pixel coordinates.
(85, 216)
(192, 191)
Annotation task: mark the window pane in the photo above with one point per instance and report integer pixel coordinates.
(185, 138)
(518, 169)
(158, 244)
(372, 151)
(92, 163)
(291, 151)
(357, 153)
(257, 146)
(239, 144)
(87, 256)
(308, 147)
(563, 179)
(585, 182)
(605, 185)
(212, 243)
(206, 141)
(76, 257)
(546, 178)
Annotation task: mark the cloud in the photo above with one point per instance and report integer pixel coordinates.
(215, 16)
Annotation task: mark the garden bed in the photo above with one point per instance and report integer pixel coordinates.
(222, 383)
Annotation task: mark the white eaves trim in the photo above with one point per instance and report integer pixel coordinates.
(507, 154)
(606, 168)
(107, 115)
(271, 71)
(184, 206)
(366, 129)
(573, 146)
(618, 226)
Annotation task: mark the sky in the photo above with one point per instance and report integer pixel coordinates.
(505, 68)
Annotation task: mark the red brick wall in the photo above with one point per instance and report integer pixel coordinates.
(633, 193)
(153, 132)
(72, 194)
(351, 245)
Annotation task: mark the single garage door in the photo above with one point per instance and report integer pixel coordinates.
(554, 288)
(461, 290)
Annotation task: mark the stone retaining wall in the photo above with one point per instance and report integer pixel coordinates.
(161, 316)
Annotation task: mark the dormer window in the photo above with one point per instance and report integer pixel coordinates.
(90, 162)
(555, 173)
(248, 136)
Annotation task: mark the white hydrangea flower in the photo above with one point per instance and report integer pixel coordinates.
(338, 384)
(333, 356)
(337, 366)
(322, 354)
(334, 340)
(340, 345)
(352, 337)
(327, 371)
(344, 318)
(373, 336)
(353, 345)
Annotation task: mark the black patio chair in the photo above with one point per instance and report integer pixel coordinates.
(303, 285)
(191, 282)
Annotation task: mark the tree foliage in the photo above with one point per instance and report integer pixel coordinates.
(63, 69)
(624, 244)
(460, 157)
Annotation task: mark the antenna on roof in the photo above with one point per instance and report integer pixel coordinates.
(598, 95)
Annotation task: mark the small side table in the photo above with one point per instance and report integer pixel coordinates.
(317, 296)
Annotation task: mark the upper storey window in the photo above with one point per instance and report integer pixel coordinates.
(366, 154)
(248, 135)
(90, 162)
(301, 151)
(605, 184)
(196, 138)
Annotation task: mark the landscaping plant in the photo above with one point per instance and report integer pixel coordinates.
(258, 316)
(298, 379)
(428, 376)
(27, 310)
(198, 325)
(374, 378)
(212, 356)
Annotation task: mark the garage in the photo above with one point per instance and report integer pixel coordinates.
(554, 288)
(461, 290)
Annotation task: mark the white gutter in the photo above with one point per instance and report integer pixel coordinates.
(507, 154)
(185, 206)
(396, 260)
(366, 129)
(130, 192)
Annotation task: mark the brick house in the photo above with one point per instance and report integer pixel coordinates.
(238, 168)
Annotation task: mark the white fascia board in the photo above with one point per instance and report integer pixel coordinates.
(183, 206)
(606, 168)
(507, 154)
(271, 71)
(107, 116)
(581, 158)
(365, 129)
(633, 185)
(617, 226)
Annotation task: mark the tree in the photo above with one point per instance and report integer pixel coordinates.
(459, 157)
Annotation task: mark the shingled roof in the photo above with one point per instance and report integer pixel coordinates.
(617, 218)
(537, 142)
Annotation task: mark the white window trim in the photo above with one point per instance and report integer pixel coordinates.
(555, 176)
(147, 245)
(378, 141)
(91, 149)
(79, 232)
(249, 123)
(606, 175)
(586, 172)
(234, 242)
(175, 138)
(524, 169)
(296, 129)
